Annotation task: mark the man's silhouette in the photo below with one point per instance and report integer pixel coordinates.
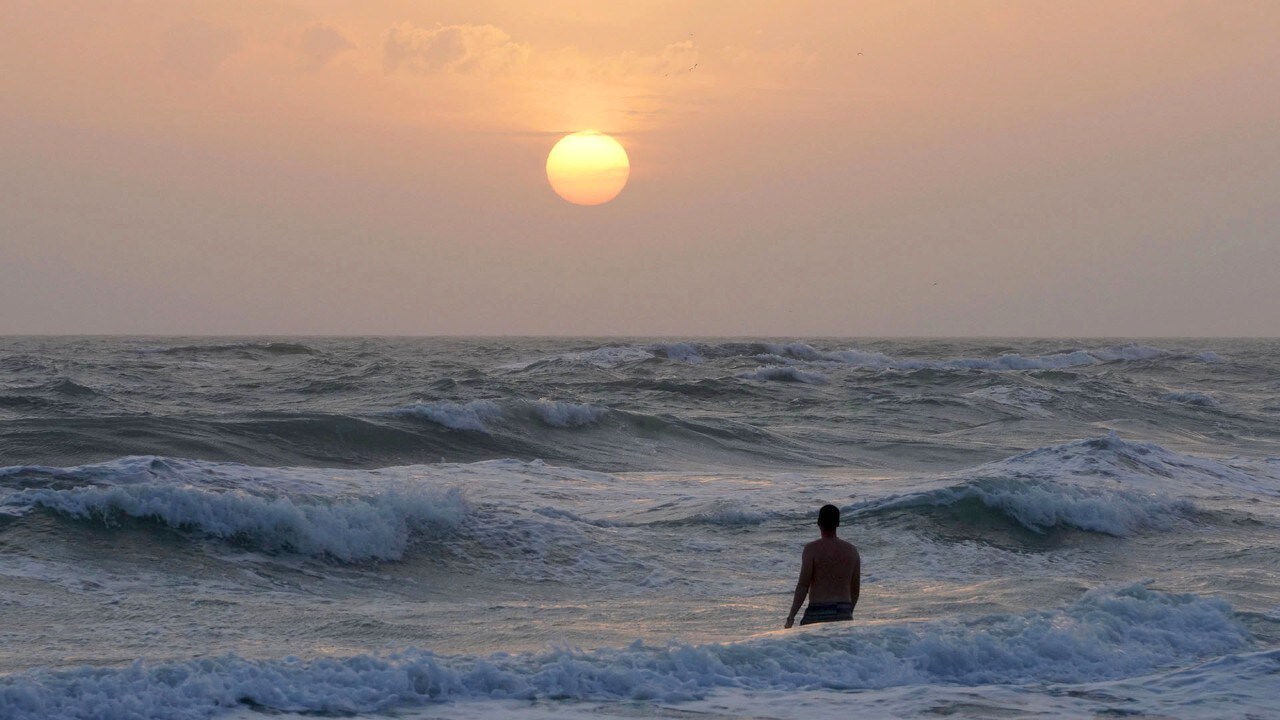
(830, 574)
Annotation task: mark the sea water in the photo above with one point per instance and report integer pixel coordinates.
(478, 528)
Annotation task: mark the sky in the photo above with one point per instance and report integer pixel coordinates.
(894, 168)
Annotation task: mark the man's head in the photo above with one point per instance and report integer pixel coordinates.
(829, 518)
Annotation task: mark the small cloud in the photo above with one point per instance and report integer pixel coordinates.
(320, 44)
(198, 48)
(451, 48)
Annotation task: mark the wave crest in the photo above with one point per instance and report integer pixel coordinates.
(348, 529)
(455, 416)
(566, 414)
(785, 373)
(1105, 485)
(1041, 506)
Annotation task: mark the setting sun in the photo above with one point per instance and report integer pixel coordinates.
(588, 168)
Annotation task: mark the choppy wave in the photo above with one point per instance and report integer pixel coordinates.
(1107, 634)
(689, 352)
(1028, 400)
(351, 403)
(268, 348)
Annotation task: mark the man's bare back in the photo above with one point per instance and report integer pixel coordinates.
(830, 575)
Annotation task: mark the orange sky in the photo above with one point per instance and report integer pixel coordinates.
(1077, 168)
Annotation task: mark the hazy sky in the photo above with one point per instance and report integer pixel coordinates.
(828, 168)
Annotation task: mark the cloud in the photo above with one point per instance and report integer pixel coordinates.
(198, 48)
(675, 58)
(320, 44)
(451, 48)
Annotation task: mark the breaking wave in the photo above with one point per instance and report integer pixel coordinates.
(351, 530)
(455, 416)
(1104, 485)
(786, 373)
(565, 414)
(271, 509)
(1108, 633)
(1040, 505)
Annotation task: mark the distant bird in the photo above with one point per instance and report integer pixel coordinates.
(859, 54)
(695, 67)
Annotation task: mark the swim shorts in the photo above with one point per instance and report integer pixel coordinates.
(827, 612)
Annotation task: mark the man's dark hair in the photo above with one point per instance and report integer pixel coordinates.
(829, 517)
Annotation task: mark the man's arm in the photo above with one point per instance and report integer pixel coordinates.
(855, 580)
(802, 585)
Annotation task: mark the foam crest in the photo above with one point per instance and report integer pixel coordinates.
(566, 414)
(1130, 351)
(1130, 463)
(785, 373)
(455, 416)
(1108, 634)
(348, 529)
(803, 351)
(1043, 505)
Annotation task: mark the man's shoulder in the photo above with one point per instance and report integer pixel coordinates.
(813, 545)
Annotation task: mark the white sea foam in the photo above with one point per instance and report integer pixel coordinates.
(785, 373)
(349, 529)
(566, 414)
(455, 416)
(1108, 634)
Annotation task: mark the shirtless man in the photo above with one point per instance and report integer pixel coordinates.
(830, 574)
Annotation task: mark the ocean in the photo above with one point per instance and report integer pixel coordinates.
(584, 528)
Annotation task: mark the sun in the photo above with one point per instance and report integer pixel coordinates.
(588, 168)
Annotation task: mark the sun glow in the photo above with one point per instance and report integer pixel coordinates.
(588, 168)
